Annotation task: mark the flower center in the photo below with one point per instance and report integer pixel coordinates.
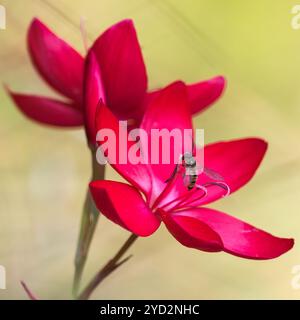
(175, 196)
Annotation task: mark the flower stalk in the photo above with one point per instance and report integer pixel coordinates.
(108, 268)
(29, 293)
(89, 220)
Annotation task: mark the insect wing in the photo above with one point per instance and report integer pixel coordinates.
(212, 174)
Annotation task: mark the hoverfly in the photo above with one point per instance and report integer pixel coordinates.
(190, 175)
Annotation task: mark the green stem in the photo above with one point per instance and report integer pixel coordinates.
(89, 219)
(110, 266)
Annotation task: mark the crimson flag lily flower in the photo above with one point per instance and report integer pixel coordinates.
(148, 200)
(115, 72)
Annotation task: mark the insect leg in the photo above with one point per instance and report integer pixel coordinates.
(176, 169)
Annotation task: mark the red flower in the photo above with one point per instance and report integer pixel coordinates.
(115, 72)
(148, 200)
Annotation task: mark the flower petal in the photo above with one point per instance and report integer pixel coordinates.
(94, 92)
(137, 174)
(239, 238)
(201, 94)
(169, 111)
(122, 69)
(204, 93)
(192, 232)
(124, 205)
(236, 161)
(57, 62)
(48, 111)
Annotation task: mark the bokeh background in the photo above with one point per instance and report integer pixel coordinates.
(44, 172)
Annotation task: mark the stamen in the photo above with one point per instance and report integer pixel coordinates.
(165, 191)
(198, 198)
(220, 184)
(181, 199)
(84, 34)
(186, 200)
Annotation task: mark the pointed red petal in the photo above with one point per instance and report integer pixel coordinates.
(236, 161)
(48, 111)
(58, 63)
(201, 94)
(192, 232)
(124, 205)
(168, 112)
(205, 93)
(138, 174)
(239, 238)
(122, 69)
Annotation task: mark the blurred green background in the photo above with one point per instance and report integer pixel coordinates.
(44, 172)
